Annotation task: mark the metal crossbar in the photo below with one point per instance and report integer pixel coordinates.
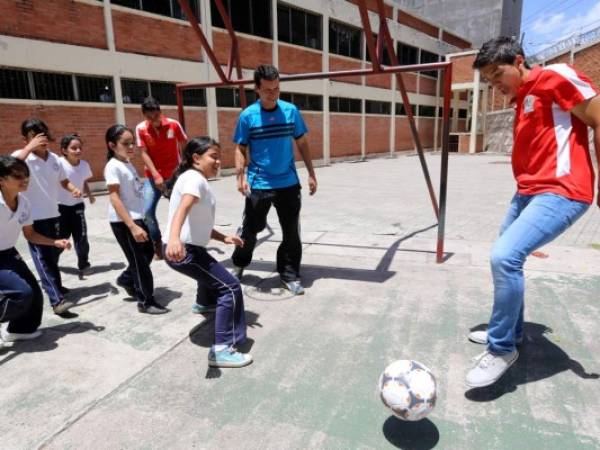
(376, 51)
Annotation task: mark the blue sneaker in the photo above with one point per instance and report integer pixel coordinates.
(202, 309)
(229, 357)
(295, 287)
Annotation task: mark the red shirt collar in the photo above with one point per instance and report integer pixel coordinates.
(163, 123)
(534, 74)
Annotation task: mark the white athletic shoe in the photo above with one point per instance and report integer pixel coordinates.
(489, 368)
(5, 336)
(480, 337)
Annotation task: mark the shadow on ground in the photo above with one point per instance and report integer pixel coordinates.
(420, 435)
(48, 340)
(539, 358)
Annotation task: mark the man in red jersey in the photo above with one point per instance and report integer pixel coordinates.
(554, 106)
(160, 139)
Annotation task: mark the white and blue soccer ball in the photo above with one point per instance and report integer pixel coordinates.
(408, 389)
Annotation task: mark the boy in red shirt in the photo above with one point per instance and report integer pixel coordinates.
(554, 106)
(160, 140)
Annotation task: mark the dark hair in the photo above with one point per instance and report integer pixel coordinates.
(9, 165)
(150, 104)
(66, 140)
(113, 134)
(265, 72)
(37, 126)
(501, 50)
(195, 146)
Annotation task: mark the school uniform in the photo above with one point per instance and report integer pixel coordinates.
(44, 185)
(21, 300)
(72, 211)
(222, 287)
(138, 275)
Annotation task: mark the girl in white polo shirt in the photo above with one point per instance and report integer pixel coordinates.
(189, 229)
(46, 181)
(126, 212)
(72, 210)
(21, 299)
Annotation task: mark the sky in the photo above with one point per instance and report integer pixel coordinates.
(546, 22)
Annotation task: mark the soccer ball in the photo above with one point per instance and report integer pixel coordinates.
(408, 388)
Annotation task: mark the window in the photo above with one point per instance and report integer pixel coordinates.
(53, 86)
(346, 105)
(426, 111)
(94, 89)
(401, 111)
(386, 56)
(135, 91)
(344, 40)
(14, 84)
(194, 97)
(428, 57)
(298, 27)
(407, 54)
(169, 8)
(377, 107)
(230, 98)
(305, 102)
(247, 16)
(462, 113)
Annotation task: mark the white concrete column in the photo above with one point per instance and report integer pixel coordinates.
(212, 118)
(274, 27)
(116, 76)
(475, 110)
(484, 111)
(455, 106)
(363, 132)
(325, 89)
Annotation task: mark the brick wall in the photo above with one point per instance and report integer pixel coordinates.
(136, 33)
(403, 139)
(381, 81)
(336, 64)
(63, 21)
(427, 86)
(586, 60)
(377, 139)
(564, 58)
(227, 122)
(372, 5)
(462, 69)
(345, 135)
(253, 52)
(417, 24)
(452, 39)
(297, 60)
(426, 127)
(314, 123)
(89, 122)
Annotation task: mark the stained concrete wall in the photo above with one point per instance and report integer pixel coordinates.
(499, 131)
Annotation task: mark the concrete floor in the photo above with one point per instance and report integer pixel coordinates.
(111, 378)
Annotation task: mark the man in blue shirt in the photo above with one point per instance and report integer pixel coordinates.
(264, 137)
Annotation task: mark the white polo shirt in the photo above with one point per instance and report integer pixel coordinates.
(44, 184)
(125, 176)
(11, 222)
(198, 225)
(76, 175)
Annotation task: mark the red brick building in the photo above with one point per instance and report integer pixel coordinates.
(83, 65)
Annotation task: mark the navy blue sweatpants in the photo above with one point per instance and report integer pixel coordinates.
(45, 259)
(222, 288)
(21, 299)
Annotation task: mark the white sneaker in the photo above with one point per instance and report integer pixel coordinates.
(489, 368)
(480, 337)
(5, 336)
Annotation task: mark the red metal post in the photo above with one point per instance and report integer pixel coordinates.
(180, 110)
(371, 45)
(444, 167)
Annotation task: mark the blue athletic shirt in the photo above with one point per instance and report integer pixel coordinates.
(268, 134)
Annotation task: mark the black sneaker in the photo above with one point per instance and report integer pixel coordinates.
(128, 288)
(152, 308)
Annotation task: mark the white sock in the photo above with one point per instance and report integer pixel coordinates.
(219, 348)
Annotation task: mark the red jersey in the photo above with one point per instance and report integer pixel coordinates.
(551, 145)
(162, 147)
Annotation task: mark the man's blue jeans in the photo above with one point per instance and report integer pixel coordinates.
(532, 221)
(151, 197)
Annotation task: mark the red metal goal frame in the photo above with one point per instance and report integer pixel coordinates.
(376, 51)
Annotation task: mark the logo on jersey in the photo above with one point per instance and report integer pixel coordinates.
(170, 133)
(529, 103)
(23, 217)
